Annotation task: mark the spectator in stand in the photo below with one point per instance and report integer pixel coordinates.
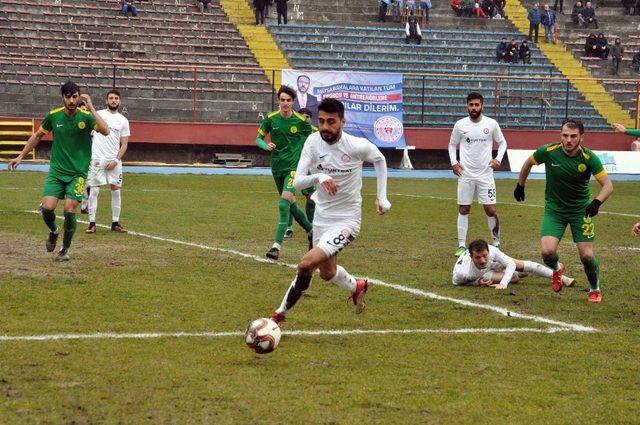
(412, 29)
(456, 5)
(577, 15)
(468, 7)
(524, 52)
(534, 17)
(382, 9)
(589, 15)
(635, 62)
(555, 5)
(512, 51)
(548, 20)
(203, 5)
(616, 55)
(425, 5)
(129, 6)
(591, 46)
(396, 9)
(411, 5)
(259, 7)
(501, 50)
(488, 8)
(281, 9)
(478, 10)
(629, 6)
(602, 46)
(498, 6)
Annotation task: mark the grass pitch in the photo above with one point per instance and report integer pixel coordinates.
(133, 284)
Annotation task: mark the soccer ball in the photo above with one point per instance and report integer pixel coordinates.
(262, 335)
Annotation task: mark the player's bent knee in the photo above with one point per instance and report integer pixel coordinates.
(586, 257)
(326, 274)
(306, 267)
(464, 209)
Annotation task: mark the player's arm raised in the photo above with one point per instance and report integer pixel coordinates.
(103, 127)
(31, 144)
(454, 141)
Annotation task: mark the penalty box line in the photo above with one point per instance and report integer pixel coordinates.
(325, 332)
(414, 291)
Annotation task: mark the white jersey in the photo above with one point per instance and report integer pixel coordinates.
(107, 147)
(465, 271)
(341, 161)
(476, 144)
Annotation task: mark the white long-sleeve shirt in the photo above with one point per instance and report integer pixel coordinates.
(465, 271)
(476, 144)
(342, 162)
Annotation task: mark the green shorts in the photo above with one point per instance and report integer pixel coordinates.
(554, 224)
(67, 187)
(284, 182)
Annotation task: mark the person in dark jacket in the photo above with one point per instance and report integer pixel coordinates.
(412, 30)
(512, 52)
(281, 9)
(534, 17)
(524, 53)
(577, 15)
(259, 6)
(589, 15)
(548, 21)
(591, 46)
(616, 55)
(501, 50)
(602, 46)
(635, 62)
(629, 6)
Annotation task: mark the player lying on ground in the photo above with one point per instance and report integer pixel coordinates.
(332, 161)
(69, 164)
(567, 201)
(485, 265)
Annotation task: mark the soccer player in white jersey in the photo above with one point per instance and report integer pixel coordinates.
(331, 160)
(475, 135)
(485, 265)
(106, 162)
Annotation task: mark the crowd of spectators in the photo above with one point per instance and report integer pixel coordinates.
(512, 52)
(401, 10)
(261, 10)
(493, 9)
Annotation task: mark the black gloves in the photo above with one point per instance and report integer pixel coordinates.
(592, 208)
(518, 193)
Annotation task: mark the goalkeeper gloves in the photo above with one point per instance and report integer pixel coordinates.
(518, 193)
(592, 208)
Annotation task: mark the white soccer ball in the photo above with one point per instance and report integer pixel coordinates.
(262, 335)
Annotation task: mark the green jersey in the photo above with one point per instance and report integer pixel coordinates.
(71, 149)
(633, 132)
(289, 135)
(567, 189)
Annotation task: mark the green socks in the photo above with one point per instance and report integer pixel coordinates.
(70, 225)
(592, 270)
(49, 217)
(551, 261)
(310, 209)
(297, 213)
(283, 206)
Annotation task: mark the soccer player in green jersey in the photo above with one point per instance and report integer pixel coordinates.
(288, 130)
(569, 167)
(635, 145)
(70, 157)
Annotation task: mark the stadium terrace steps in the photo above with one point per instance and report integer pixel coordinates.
(156, 57)
(580, 77)
(261, 43)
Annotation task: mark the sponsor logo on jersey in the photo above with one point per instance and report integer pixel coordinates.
(345, 158)
(485, 131)
(293, 129)
(81, 125)
(582, 168)
(334, 170)
(388, 129)
(58, 125)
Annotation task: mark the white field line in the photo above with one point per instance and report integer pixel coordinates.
(500, 310)
(155, 335)
(440, 198)
(627, 248)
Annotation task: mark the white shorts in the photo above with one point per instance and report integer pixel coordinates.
(333, 239)
(464, 273)
(99, 175)
(485, 188)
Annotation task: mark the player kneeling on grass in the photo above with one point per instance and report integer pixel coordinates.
(70, 156)
(485, 265)
(106, 163)
(332, 161)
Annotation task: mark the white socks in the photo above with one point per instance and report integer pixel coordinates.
(93, 203)
(116, 202)
(283, 305)
(344, 280)
(494, 229)
(538, 269)
(463, 226)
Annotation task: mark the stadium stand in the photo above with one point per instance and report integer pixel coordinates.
(519, 102)
(156, 59)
